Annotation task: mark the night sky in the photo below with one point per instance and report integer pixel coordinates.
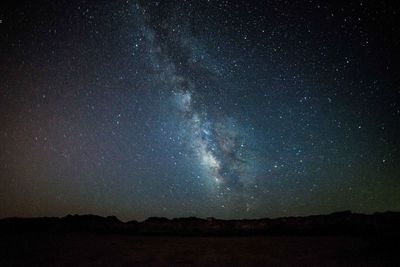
(230, 109)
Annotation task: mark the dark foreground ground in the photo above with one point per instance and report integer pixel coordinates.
(83, 249)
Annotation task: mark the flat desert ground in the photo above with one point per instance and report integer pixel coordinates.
(81, 249)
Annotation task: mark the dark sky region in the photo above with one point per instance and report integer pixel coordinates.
(231, 109)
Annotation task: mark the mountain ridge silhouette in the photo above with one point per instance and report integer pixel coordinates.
(337, 223)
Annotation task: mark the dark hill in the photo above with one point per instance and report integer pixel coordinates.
(340, 223)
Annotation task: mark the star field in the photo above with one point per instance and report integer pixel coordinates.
(230, 109)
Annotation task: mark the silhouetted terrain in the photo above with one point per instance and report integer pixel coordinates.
(337, 239)
(340, 223)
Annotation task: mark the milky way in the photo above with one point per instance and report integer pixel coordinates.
(216, 140)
